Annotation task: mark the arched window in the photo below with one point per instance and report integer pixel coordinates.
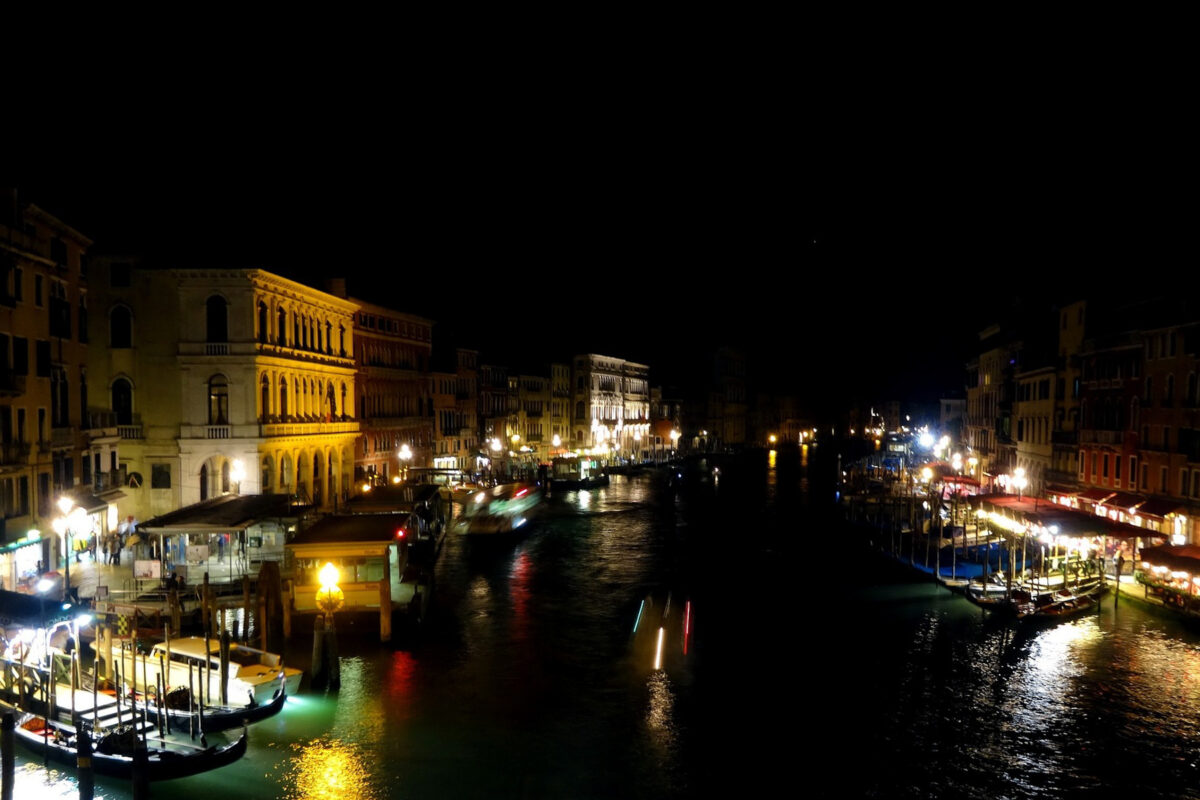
(120, 327)
(266, 486)
(262, 322)
(281, 327)
(204, 482)
(342, 340)
(264, 399)
(283, 399)
(122, 401)
(296, 330)
(345, 391)
(285, 473)
(328, 337)
(217, 319)
(330, 401)
(218, 401)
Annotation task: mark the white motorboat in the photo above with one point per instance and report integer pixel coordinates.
(254, 675)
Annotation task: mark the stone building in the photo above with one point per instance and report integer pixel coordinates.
(225, 380)
(392, 353)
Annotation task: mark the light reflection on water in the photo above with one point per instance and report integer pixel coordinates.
(326, 769)
(956, 704)
(524, 684)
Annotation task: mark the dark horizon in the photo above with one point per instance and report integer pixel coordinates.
(857, 300)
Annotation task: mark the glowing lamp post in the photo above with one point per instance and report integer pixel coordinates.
(329, 600)
(237, 474)
(1020, 481)
(406, 455)
(72, 519)
(329, 597)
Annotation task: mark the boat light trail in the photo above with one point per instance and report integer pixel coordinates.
(658, 653)
(638, 621)
(687, 624)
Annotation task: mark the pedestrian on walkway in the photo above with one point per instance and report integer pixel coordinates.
(92, 547)
(220, 547)
(114, 550)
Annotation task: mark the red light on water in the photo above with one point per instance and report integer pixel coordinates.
(522, 493)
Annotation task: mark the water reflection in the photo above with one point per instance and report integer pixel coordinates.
(327, 769)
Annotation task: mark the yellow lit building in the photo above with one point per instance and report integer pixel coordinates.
(225, 380)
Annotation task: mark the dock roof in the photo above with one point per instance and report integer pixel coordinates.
(352, 528)
(229, 513)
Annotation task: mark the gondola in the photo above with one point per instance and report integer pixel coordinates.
(212, 718)
(112, 751)
(1061, 604)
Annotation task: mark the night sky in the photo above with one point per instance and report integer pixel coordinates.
(845, 264)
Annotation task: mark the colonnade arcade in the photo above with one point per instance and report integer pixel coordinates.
(318, 474)
(284, 396)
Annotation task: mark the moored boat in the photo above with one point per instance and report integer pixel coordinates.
(1066, 602)
(186, 714)
(253, 675)
(113, 749)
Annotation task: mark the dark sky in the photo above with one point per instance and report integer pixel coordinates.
(850, 248)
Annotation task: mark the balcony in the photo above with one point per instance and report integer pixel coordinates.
(129, 431)
(108, 481)
(14, 452)
(61, 438)
(216, 348)
(218, 431)
(11, 384)
(1101, 437)
(307, 428)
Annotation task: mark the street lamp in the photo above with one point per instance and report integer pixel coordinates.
(1020, 482)
(236, 474)
(406, 455)
(73, 518)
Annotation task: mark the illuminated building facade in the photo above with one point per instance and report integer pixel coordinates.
(611, 399)
(226, 380)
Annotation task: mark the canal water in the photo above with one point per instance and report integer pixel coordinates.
(813, 667)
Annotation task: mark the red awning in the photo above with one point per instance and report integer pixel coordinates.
(1124, 500)
(1095, 495)
(1159, 509)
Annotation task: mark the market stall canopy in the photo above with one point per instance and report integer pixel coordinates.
(226, 514)
(1183, 557)
(1124, 500)
(18, 610)
(1159, 509)
(1095, 495)
(1036, 511)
